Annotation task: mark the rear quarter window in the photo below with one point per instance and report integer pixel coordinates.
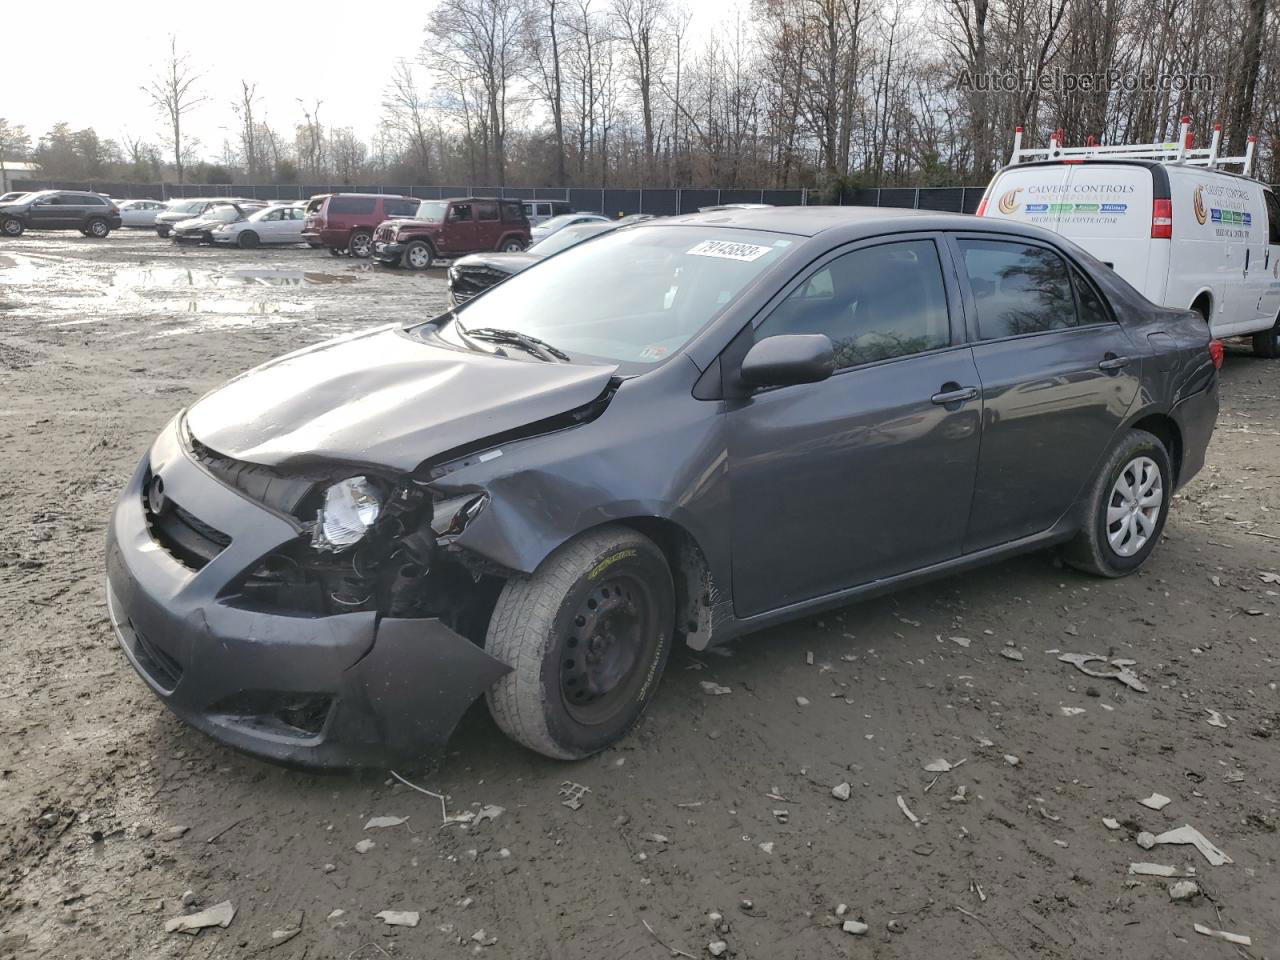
(352, 205)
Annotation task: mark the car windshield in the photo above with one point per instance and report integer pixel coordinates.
(632, 296)
(187, 206)
(566, 238)
(431, 210)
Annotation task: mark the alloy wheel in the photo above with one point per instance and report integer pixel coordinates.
(1133, 509)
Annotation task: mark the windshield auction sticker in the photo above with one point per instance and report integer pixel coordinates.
(728, 250)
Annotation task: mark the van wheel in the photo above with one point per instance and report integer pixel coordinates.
(512, 245)
(13, 227)
(248, 240)
(99, 228)
(587, 637)
(1127, 509)
(361, 244)
(1266, 343)
(418, 255)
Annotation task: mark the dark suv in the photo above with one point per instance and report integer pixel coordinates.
(344, 222)
(92, 214)
(452, 228)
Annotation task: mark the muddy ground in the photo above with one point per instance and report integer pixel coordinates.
(102, 341)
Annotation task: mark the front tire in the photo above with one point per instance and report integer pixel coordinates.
(418, 255)
(13, 227)
(248, 240)
(512, 245)
(99, 228)
(1266, 343)
(587, 637)
(361, 244)
(1127, 509)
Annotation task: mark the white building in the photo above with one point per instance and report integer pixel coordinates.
(13, 172)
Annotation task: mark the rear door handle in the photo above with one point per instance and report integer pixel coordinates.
(1113, 362)
(954, 396)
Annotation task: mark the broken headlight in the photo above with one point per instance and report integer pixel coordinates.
(350, 508)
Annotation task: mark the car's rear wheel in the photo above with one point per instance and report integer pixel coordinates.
(587, 637)
(12, 227)
(512, 245)
(418, 255)
(1127, 508)
(98, 228)
(361, 244)
(248, 240)
(1266, 343)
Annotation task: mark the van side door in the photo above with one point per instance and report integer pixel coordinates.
(1269, 302)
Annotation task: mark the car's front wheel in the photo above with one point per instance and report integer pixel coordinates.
(587, 636)
(418, 255)
(1127, 508)
(12, 227)
(361, 244)
(248, 240)
(512, 245)
(1266, 343)
(98, 228)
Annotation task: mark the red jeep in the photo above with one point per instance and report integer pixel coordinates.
(452, 228)
(344, 222)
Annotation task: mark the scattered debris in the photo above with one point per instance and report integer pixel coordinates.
(714, 689)
(1184, 890)
(483, 938)
(767, 846)
(490, 811)
(959, 795)
(169, 834)
(1010, 653)
(1111, 823)
(398, 918)
(782, 816)
(1121, 669)
(842, 909)
(902, 805)
(962, 641)
(378, 822)
(284, 936)
(1157, 801)
(655, 837)
(1146, 840)
(802, 701)
(188, 898)
(1011, 760)
(841, 791)
(1215, 718)
(1152, 870)
(975, 887)
(1189, 834)
(808, 657)
(666, 946)
(572, 795)
(942, 766)
(364, 846)
(896, 926)
(219, 915)
(717, 948)
(1269, 577)
(1071, 711)
(444, 811)
(1239, 938)
(855, 927)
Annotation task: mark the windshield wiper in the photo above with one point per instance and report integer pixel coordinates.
(539, 348)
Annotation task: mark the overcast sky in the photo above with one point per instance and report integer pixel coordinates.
(292, 49)
(91, 76)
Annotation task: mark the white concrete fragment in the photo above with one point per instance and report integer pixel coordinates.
(841, 791)
(1157, 801)
(219, 915)
(1152, 870)
(398, 918)
(1184, 890)
(1189, 834)
(856, 927)
(713, 689)
(378, 822)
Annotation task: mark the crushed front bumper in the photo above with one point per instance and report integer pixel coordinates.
(347, 690)
(388, 252)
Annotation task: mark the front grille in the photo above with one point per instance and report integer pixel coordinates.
(184, 536)
(385, 234)
(161, 666)
(470, 281)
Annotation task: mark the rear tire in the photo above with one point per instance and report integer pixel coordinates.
(248, 240)
(587, 637)
(1126, 509)
(512, 245)
(1266, 343)
(98, 228)
(13, 227)
(418, 255)
(361, 244)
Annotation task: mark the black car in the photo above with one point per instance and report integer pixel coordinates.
(92, 214)
(478, 272)
(673, 434)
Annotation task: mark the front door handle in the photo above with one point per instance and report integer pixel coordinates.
(959, 395)
(1112, 362)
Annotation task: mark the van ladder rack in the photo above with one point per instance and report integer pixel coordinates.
(1177, 151)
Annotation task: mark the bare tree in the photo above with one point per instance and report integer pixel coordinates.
(174, 94)
(250, 146)
(640, 23)
(407, 113)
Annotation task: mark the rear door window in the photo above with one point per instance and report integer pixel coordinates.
(486, 210)
(460, 212)
(1273, 217)
(1018, 288)
(874, 303)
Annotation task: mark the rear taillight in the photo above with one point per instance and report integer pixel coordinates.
(1161, 219)
(1215, 353)
(982, 206)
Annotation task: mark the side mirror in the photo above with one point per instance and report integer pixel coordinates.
(788, 359)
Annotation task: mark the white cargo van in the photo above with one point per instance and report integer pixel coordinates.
(1167, 218)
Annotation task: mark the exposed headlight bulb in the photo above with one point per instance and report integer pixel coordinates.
(350, 508)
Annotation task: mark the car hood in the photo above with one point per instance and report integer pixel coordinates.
(398, 222)
(201, 223)
(384, 399)
(505, 262)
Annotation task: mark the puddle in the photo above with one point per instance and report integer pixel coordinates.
(165, 277)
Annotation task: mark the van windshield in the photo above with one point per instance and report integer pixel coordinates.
(633, 296)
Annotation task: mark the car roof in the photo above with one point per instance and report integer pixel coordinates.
(809, 221)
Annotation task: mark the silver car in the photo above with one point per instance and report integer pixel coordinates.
(276, 224)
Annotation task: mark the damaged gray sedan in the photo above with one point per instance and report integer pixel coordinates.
(679, 432)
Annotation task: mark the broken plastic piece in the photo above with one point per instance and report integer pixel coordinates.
(1239, 938)
(1189, 834)
(1157, 801)
(219, 915)
(1120, 672)
(376, 822)
(902, 805)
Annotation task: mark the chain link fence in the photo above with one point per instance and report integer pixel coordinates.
(612, 201)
